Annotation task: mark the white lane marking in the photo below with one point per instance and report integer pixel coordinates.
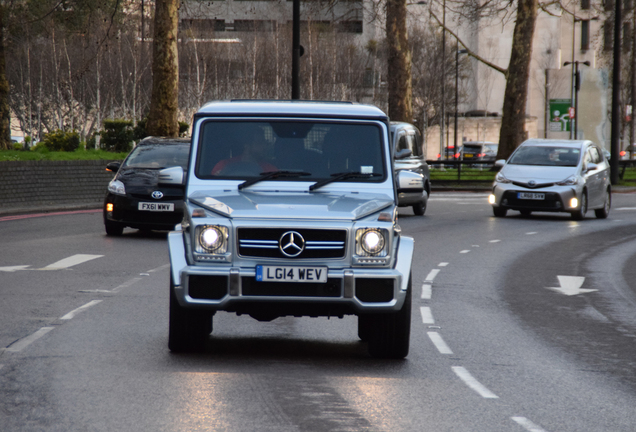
(114, 290)
(427, 291)
(471, 382)
(624, 208)
(427, 315)
(14, 268)
(465, 251)
(431, 275)
(571, 285)
(23, 343)
(72, 313)
(71, 261)
(527, 424)
(442, 264)
(439, 343)
(495, 241)
(159, 268)
(531, 233)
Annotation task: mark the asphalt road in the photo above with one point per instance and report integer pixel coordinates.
(519, 324)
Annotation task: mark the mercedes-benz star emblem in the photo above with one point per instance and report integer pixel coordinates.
(291, 244)
(157, 195)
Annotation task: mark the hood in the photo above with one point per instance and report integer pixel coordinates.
(541, 174)
(297, 205)
(143, 181)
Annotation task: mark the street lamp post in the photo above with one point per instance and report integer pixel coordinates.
(576, 86)
(443, 77)
(457, 53)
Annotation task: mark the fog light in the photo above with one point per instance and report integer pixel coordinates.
(574, 203)
(491, 199)
(109, 207)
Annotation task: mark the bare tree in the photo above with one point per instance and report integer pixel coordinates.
(399, 62)
(514, 108)
(164, 102)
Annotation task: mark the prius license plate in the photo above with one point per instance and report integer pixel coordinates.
(530, 196)
(291, 274)
(156, 207)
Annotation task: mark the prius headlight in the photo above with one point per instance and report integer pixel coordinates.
(116, 187)
(572, 180)
(371, 242)
(502, 178)
(211, 239)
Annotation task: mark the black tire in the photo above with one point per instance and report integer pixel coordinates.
(580, 213)
(419, 209)
(499, 211)
(363, 327)
(113, 229)
(389, 334)
(603, 213)
(189, 329)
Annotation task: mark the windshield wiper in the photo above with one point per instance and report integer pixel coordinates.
(342, 176)
(272, 175)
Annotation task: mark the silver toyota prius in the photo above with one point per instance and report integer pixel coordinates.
(549, 175)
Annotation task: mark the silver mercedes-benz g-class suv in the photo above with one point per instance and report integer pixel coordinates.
(290, 210)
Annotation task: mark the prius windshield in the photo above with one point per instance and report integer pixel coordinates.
(315, 151)
(546, 156)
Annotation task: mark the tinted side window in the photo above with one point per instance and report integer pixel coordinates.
(415, 149)
(402, 143)
(419, 150)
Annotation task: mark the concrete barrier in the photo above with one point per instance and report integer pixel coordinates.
(52, 185)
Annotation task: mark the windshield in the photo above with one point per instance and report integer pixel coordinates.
(548, 156)
(158, 156)
(245, 149)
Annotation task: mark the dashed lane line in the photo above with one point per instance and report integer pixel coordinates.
(25, 342)
(74, 312)
(439, 343)
(471, 382)
(527, 424)
(427, 315)
(427, 291)
(71, 261)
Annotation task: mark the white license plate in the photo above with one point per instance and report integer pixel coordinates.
(530, 196)
(291, 274)
(156, 207)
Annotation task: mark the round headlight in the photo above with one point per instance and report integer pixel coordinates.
(211, 239)
(372, 242)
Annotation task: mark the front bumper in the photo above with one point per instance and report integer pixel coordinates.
(126, 212)
(234, 289)
(556, 198)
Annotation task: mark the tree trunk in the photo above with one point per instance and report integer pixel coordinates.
(164, 101)
(514, 108)
(399, 62)
(5, 116)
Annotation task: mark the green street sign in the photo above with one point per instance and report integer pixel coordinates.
(559, 115)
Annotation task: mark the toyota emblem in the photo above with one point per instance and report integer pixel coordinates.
(291, 244)
(157, 194)
(532, 183)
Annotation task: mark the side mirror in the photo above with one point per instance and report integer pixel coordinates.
(500, 163)
(172, 176)
(113, 166)
(403, 154)
(591, 167)
(409, 182)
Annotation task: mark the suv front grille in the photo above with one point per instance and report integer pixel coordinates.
(266, 243)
